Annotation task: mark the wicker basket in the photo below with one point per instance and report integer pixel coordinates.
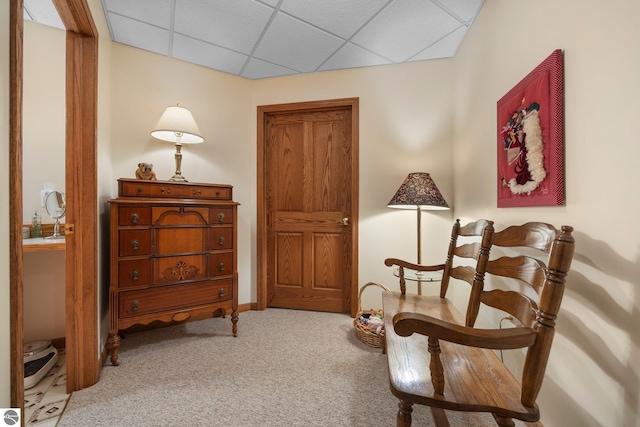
(366, 336)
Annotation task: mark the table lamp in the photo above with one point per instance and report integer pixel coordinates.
(177, 125)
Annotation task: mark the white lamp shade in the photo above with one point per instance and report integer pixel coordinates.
(177, 125)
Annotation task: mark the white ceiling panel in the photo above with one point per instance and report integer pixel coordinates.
(405, 28)
(295, 44)
(462, 9)
(340, 17)
(267, 38)
(444, 48)
(272, 3)
(43, 12)
(259, 69)
(235, 25)
(154, 12)
(144, 36)
(207, 55)
(352, 56)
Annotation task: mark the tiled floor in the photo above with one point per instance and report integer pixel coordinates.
(44, 403)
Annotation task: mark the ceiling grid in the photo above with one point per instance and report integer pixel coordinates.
(258, 39)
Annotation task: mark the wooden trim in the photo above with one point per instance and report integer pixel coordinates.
(355, 200)
(16, 267)
(76, 16)
(261, 238)
(83, 362)
(263, 112)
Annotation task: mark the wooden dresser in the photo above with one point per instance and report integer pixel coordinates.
(173, 254)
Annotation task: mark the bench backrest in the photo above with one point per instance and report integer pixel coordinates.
(535, 307)
(451, 267)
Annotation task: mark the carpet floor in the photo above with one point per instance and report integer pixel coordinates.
(285, 368)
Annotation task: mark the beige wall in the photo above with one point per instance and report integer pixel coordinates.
(405, 126)
(105, 164)
(43, 162)
(439, 117)
(144, 84)
(593, 378)
(5, 363)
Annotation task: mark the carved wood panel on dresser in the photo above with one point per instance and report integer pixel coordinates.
(173, 254)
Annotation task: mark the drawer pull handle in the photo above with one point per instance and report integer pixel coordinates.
(134, 305)
(139, 189)
(221, 217)
(221, 240)
(217, 193)
(135, 245)
(134, 275)
(134, 218)
(221, 292)
(221, 266)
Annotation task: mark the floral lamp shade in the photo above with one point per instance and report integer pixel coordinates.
(418, 191)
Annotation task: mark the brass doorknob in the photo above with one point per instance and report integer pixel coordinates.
(345, 221)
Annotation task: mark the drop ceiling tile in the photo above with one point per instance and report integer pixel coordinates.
(352, 56)
(294, 44)
(207, 55)
(235, 25)
(445, 48)
(340, 17)
(138, 34)
(405, 28)
(155, 12)
(43, 12)
(272, 3)
(259, 69)
(463, 9)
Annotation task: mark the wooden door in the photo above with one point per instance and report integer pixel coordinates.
(310, 209)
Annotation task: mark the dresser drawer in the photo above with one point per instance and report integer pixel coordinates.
(222, 215)
(180, 240)
(136, 272)
(166, 189)
(166, 298)
(134, 215)
(221, 238)
(181, 268)
(134, 242)
(221, 264)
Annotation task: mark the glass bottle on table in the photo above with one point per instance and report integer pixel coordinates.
(36, 225)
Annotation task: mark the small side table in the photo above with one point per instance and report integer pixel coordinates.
(419, 276)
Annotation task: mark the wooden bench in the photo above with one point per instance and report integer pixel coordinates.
(437, 358)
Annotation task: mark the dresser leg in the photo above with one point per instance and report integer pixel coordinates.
(234, 322)
(113, 343)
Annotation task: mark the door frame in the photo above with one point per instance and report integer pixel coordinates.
(300, 107)
(81, 329)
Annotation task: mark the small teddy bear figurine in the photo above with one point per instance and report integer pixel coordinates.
(145, 171)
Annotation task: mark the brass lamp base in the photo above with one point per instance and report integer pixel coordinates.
(178, 175)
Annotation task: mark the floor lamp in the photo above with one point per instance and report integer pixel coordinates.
(419, 192)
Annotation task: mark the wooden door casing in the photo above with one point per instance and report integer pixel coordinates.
(82, 353)
(307, 186)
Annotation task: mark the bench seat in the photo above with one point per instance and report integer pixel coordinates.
(410, 376)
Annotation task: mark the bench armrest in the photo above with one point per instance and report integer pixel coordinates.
(411, 266)
(406, 324)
